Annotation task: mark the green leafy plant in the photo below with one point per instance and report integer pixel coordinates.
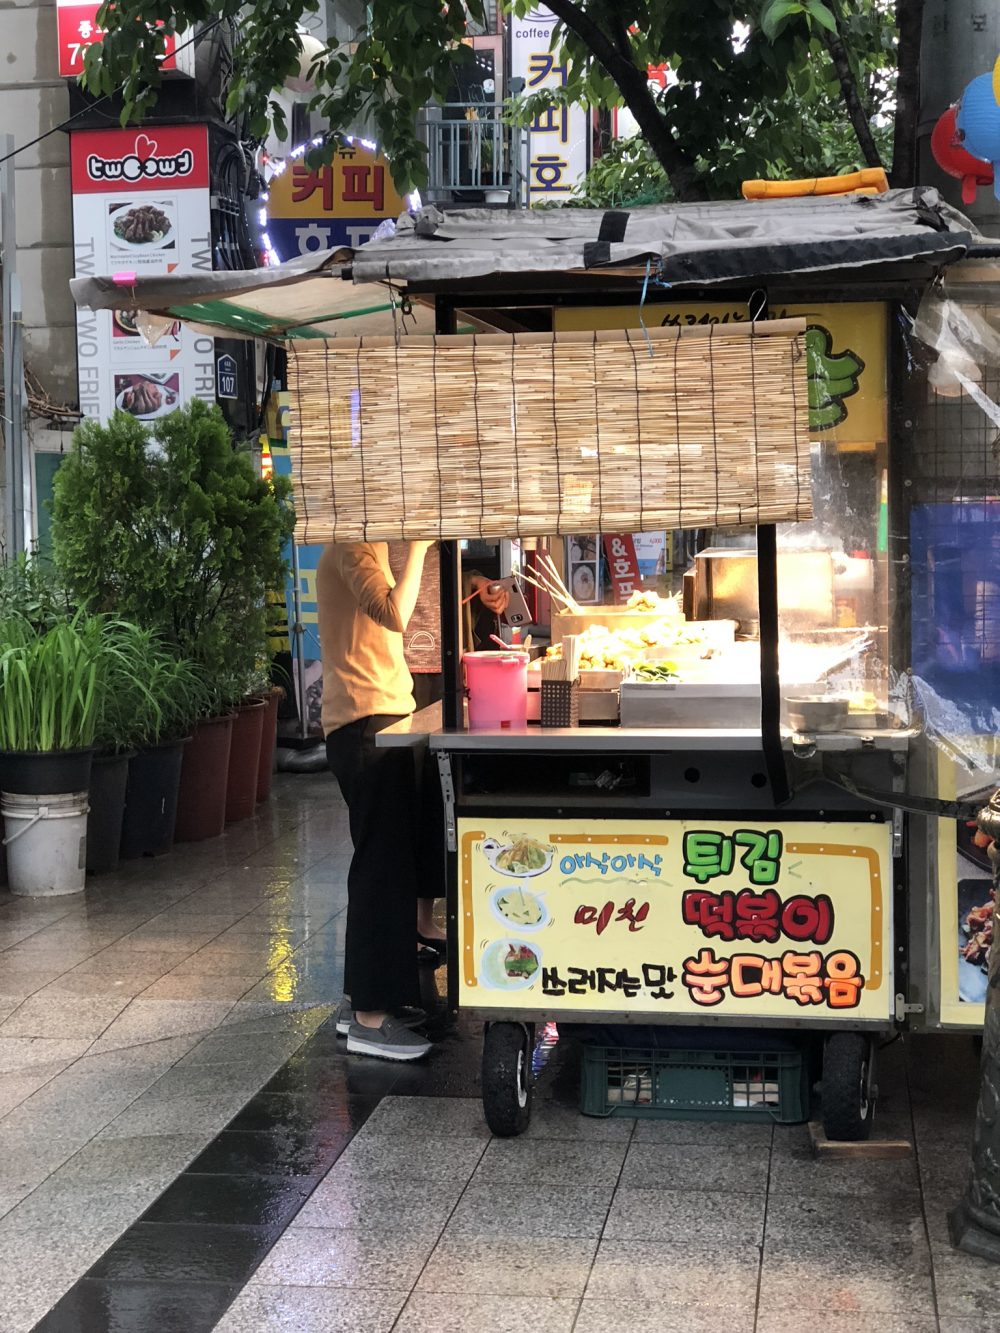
(171, 528)
(148, 694)
(31, 589)
(50, 683)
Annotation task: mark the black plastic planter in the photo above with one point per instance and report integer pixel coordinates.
(108, 780)
(151, 801)
(45, 773)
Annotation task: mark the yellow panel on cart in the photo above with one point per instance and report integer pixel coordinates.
(847, 344)
(774, 921)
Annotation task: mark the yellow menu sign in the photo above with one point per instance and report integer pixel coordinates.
(778, 921)
(845, 342)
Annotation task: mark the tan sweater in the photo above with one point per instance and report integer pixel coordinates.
(361, 635)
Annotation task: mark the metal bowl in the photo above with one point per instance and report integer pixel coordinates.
(816, 712)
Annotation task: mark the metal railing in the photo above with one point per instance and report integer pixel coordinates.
(473, 155)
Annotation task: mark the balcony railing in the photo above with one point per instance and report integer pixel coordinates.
(474, 156)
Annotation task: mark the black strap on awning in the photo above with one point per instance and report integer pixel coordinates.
(612, 230)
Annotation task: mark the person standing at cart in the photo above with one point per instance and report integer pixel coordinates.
(422, 654)
(363, 613)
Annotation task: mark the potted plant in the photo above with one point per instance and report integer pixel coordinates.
(127, 705)
(201, 797)
(49, 705)
(170, 526)
(177, 696)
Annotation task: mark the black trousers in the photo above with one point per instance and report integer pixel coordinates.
(380, 788)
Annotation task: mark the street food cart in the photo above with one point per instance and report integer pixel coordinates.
(755, 828)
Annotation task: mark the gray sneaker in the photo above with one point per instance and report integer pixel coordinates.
(408, 1015)
(392, 1041)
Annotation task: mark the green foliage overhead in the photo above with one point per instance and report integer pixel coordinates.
(168, 527)
(772, 87)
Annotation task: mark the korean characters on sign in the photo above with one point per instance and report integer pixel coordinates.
(670, 918)
(558, 137)
(759, 915)
(78, 28)
(341, 203)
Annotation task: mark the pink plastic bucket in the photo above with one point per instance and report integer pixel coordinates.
(497, 686)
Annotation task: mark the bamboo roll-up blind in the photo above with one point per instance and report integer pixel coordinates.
(534, 434)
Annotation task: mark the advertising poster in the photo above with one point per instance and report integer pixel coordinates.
(965, 893)
(338, 204)
(140, 206)
(305, 645)
(558, 138)
(740, 921)
(583, 568)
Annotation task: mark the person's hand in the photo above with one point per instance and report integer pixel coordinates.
(497, 600)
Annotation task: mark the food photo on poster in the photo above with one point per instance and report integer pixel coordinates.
(142, 226)
(147, 396)
(975, 910)
(677, 918)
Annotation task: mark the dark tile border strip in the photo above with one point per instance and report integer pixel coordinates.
(179, 1267)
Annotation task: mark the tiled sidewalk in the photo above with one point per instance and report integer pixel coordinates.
(427, 1225)
(136, 1023)
(165, 1053)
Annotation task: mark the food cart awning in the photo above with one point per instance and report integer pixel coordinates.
(682, 245)
(304, 298)
(697, 244)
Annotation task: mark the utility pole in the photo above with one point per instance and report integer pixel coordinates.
(17, 476)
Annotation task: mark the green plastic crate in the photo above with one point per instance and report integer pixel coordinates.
(695, 1085)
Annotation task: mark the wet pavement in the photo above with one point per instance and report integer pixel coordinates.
(187, 1146)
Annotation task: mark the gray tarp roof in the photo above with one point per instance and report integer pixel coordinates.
(684, 243)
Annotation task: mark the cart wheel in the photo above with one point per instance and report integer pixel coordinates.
(848, 1086)
(507, 1077)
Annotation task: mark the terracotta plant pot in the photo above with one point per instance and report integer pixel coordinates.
(201, 801)
(244, 760)
(268, 742)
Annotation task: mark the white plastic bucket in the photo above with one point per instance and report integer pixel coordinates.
(497, 685)
(46, 842)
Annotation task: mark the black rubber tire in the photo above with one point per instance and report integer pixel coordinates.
(848, 1096)
(507, 1089)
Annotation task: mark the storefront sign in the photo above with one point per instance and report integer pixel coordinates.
(623, 564)
(140, 206)
(338, 204)
(847, 355)
(558, 138)
(762, 921)
(78, 28)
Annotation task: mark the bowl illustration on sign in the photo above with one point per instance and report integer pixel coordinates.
(509, 965)
(521, 856)
(515, 906)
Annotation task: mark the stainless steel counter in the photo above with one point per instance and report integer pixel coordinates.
(425, 728)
